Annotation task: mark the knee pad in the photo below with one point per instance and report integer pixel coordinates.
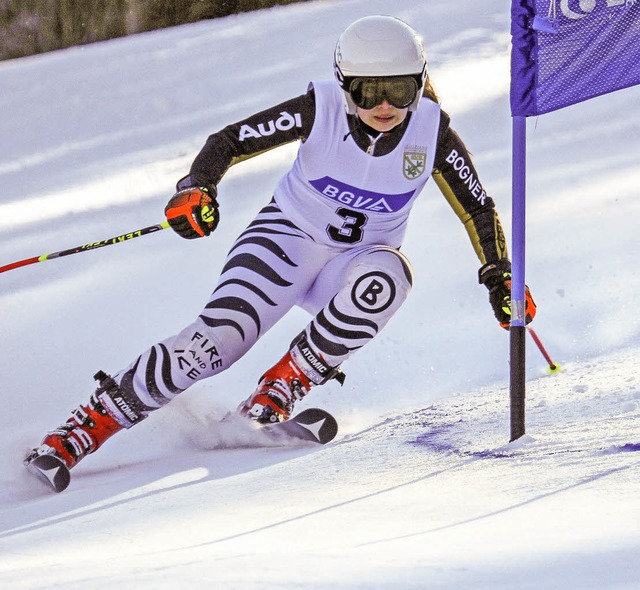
(378, 281)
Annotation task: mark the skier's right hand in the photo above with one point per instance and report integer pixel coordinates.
(193, 212)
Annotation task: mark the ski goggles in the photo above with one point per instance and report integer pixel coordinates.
(398, 91)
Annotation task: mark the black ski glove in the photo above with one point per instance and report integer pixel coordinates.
(193, 211)
(496, 276)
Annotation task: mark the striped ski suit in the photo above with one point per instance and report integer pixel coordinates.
(328, 241)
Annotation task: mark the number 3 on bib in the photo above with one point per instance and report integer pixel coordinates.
(352, 228)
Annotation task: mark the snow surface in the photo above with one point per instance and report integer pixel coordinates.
(421, 489)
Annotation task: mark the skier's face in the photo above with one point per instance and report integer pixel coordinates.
(383, 117)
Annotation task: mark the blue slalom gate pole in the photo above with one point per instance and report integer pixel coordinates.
(517, 332)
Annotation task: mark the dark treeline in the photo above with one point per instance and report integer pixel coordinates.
(35, 26)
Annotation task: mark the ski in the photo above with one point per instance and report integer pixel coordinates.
(49, 469)
(312, 425)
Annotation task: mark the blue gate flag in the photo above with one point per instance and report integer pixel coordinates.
(568, 51)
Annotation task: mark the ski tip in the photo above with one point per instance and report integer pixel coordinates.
(318, 425)
(51, 470)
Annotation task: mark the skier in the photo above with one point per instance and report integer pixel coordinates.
(328, 241)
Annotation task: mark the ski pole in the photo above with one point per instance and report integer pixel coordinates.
(91, 246)
(553, 367)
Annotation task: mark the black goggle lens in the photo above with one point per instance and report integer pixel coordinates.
(398, 91)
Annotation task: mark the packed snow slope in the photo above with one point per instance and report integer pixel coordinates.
(421, 489)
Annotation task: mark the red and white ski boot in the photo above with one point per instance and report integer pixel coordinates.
(288, 381)
(86, 430)
(278, 390)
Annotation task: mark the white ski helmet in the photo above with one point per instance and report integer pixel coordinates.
(376, 46)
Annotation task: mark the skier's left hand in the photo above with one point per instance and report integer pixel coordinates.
(497, 278)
